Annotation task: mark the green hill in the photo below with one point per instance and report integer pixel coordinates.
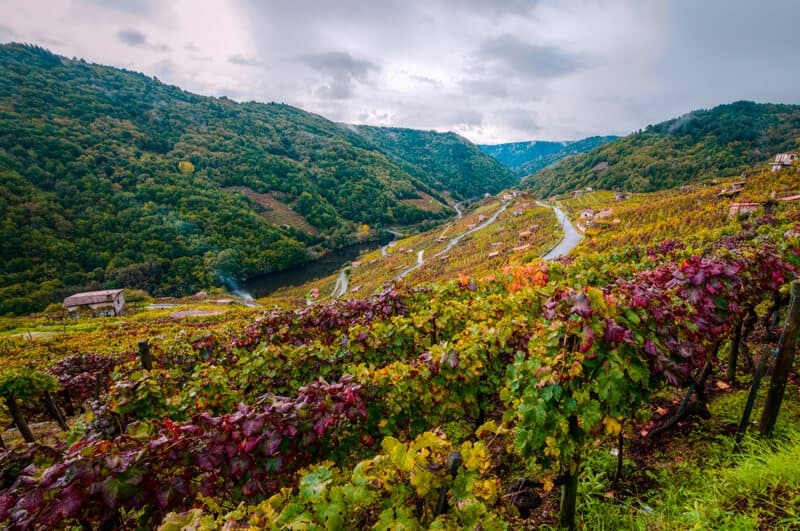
(524, 158)
(444, 160)
(111, 178)
(702, 144)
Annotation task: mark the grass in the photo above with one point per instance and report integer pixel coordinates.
(696, 481)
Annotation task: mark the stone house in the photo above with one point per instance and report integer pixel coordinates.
(742, 208)
(96, 303)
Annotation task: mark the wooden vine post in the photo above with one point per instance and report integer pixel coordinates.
(751, 401)
(783, 363)
(19, 419)
(20, 385)
(569, 498)
(144, 355)
(54, 412)
(733, 354)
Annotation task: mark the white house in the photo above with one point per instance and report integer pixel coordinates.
(783, 160)
(96, 303)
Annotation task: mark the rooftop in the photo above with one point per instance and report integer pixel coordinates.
(92, 297)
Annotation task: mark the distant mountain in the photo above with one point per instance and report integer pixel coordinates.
(110, 178)
(524, 158)
(697, 146)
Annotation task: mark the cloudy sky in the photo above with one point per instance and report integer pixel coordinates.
(491, 70)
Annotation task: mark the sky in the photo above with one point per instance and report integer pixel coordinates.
(491, 70)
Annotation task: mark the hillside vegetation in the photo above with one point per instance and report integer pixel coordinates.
(524, 158)
(444, 160)
(111, 178)
(694, 148)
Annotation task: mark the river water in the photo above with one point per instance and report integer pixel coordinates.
(263, 285)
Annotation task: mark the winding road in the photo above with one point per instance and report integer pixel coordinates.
(453, 241)
(341, 285)
(392, 243)
(571, 236)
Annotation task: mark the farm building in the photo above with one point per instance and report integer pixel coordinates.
(783, 160)
(96, 303)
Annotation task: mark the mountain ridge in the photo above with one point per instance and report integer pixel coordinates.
(524, 158)
(700, 145)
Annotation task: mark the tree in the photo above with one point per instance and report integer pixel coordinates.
(186, 167)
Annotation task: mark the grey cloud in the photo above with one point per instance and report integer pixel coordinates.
(193, 53)
(165, 69)
(132, 37)
(340, 70)
(426, 80)
(47, 41)
(389, 14)
(492, 88)
(493, 7)
(521, 57)
(468, 117)
(520, 119)
(6, 32)
(138, 7)
(138, 39)
(241, 60)
(339, 63)
(749, 56)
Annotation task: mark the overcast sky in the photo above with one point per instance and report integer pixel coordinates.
(493, 71)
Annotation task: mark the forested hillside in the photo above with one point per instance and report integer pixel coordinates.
(446, 161)
(700, 145)
(524, 158)
(111, 178)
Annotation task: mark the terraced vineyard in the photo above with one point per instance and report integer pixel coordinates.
(458, 397)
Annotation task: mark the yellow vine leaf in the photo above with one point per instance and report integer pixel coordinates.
(613, 426)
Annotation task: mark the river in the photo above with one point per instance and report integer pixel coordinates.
(263, 285)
